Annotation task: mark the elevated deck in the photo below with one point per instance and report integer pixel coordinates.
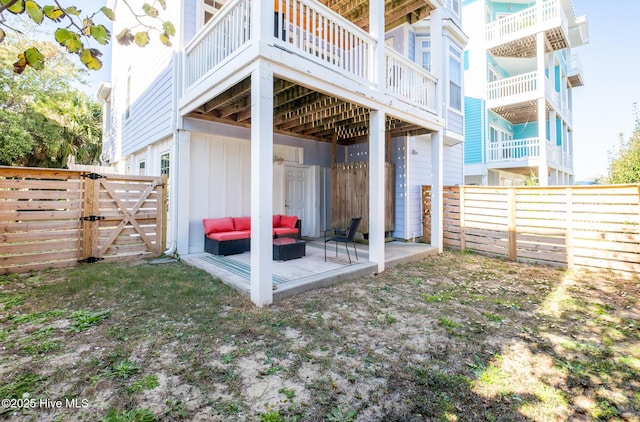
(326, 74)
(515, 35)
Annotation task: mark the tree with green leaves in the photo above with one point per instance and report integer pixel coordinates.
(76, 32)
(625, 167)
(43, 118)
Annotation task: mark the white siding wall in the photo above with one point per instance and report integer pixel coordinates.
(220, 182)
(190, 19)
(143, 79)
(150, 117)
(420, 173)
(453, 165)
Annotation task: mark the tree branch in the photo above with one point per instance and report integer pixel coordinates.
(8, 5)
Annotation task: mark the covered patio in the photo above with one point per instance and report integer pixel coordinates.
(333, 102)
(311, 271)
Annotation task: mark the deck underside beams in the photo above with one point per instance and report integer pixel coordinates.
(302, 112)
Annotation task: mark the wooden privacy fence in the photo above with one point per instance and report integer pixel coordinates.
(350, 195)
(57, 218)
(596, 227)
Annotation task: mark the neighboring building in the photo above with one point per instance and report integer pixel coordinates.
(520, 70)
(257, 100)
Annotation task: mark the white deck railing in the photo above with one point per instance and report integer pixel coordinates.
(525, 149)
(222, 36)
(515, 85)
(312, 31)
(516, 149)
(409, 82)
(511, 25)
(318, 33)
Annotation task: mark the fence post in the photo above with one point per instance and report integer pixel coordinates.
(162, 214)
(90, 229)
(511, 215)
(569, 233)
(426, 214)
(463, 240)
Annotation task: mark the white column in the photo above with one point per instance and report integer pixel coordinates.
(439, 58)
(262, 185)
(376, 29)
(182, 187)
(376, 187)
(437, 217)
(552, 128)
(262, 23)
(543, 166)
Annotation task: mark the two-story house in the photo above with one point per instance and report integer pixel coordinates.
(520, 70)
(257, 100)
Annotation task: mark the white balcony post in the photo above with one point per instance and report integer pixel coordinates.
(376, 29)
(543, 166)
(262, 20)
(438, 58)
(376, 187)
(437, 195)
(262, 185)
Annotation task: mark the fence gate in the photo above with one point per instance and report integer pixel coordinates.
(123, 216)
(51, 218)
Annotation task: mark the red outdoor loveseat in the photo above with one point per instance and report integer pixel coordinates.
(232, 235)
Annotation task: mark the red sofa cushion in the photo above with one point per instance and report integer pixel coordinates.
(217, 225)
(288, 221)
(232, 235)
(242, 223)
(276, 220)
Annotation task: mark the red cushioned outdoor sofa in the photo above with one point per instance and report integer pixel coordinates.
(232, 235)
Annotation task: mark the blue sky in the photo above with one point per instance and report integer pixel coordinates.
(603, 107)
(611, 61)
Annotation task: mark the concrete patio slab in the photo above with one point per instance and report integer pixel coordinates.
(311, 271)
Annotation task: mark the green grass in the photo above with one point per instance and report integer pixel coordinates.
(133, 415)
(83, 320)
(440, 339)
(25, 382)
(146, 383)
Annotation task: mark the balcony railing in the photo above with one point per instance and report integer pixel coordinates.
(313, 31)
(515, 85)
(525, 149)
(225, 34)
(317, 32)
(409, 82)
(516, 149)
(521, 22)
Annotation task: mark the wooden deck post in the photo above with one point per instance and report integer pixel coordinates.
(261, 185)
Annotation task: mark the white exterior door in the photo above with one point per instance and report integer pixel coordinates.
(295, 200)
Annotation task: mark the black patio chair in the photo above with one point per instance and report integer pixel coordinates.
(343, 236)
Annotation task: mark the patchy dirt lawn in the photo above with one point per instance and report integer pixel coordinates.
(453, 337)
